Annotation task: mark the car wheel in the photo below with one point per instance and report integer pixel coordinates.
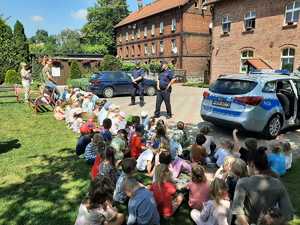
(108, 92)
(151, 91)
(273, 127)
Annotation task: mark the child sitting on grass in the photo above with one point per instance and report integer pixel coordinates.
(136, 143)
(198, 188)
(225, 149)
(97, 207)
(288, 153)
(184, 139)
(128, 169)
(164, 191)
(107, 165)
(106, 130)
(93, 147)
(142, 208)
(276, 159)
(216, 210)
(209, 143)
(119, 143)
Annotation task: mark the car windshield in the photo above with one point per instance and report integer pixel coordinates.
(232, 87)
(95, 76)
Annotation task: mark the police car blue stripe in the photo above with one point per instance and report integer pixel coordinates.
(269, 104)
(222, 111)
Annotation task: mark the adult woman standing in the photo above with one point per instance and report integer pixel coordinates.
(26, 79)
(47, 77)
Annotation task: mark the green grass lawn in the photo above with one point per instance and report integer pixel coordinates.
(42, 180)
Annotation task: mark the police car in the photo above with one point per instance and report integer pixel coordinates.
(264, 102)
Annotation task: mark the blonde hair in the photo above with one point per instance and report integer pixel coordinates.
(227, 144)
(228, 161)
(239, 168)
(217, 189)
(162, 174)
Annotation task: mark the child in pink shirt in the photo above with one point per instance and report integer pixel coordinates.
(198, 188)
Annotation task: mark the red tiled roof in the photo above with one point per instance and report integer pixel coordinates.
(258, 64)
(156, 7)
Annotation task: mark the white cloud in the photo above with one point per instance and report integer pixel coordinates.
(80, 14)
(37, 19)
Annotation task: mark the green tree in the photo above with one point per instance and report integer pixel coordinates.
(21, 45)
(128, 66)
(7, 50)
(12, 77)
(110, 63)
(36, 70)
(75, 72)
(43, 44)
(69, 41)
(99, 49)
(101, 20)
(41, 36)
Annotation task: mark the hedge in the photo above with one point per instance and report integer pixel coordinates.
(12, 77)
(81, 83)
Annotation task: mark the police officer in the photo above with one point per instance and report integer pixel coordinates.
(138, 84)
(164, 88)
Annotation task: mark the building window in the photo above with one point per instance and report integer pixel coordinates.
(196, 4)
(145, 31)
(127, 51)
(145, 49)
(245, 55)
(120, 38)
(287, 59)
(153, 48)
(226, 24)
(173, 46)
(132, 34)
(138, 33)
(173, 25)
(161, 27)
(153, 29)
(132, 51)
(292, 11)
(139, 50)
(161, 47)
(126, 36)
(250, 20)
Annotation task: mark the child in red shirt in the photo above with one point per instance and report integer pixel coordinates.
(164, 191)
(136, 143)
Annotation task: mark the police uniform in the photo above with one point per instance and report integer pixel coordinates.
(139, 87)
(163, 95)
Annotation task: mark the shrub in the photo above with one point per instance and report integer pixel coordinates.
(75, 72)
(128, 66)
(155, 67)
(36, 70)
(12, 77)
(81, 83)
(110, 63)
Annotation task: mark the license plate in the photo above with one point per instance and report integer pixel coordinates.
(224, 104)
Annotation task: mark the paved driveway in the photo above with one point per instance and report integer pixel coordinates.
(186, 107)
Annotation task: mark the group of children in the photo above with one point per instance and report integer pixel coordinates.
(120, 149)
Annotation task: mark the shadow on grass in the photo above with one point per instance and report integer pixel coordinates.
(6, 146)
(50, 193)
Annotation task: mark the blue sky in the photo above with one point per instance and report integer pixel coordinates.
(51, 15)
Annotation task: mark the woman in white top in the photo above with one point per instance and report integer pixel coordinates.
(26, 79)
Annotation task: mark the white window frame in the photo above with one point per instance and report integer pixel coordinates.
(226, 22)
(174, 46)
(293, 10)
(243, 68)
(146, 49)
(161, 46)
(153, 48)
(251, 17)
(161, 27)
(145, 31)
(138, 33)
(127, 35)
(153, 29)
(173, 24)
(290, 57)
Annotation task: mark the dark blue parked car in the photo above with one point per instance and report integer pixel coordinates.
(112, 83)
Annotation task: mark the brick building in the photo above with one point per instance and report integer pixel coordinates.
(173, 30)
(256, 33)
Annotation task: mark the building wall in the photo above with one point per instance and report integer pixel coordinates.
(191, 35)
(267, 40)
